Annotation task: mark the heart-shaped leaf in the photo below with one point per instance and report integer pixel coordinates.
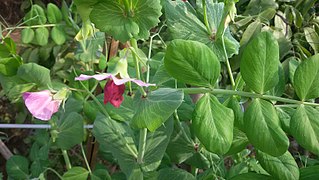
(35, 73)
(259, 63)
(192, 62)
(156, 108)
(283, 167)
(304, 126)
(183, 23)
(306, 78)
(213, 124)
(112, 17)
(262, 127)
(18, 167)
(70, 131)
(118, 138)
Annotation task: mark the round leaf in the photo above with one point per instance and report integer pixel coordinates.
(27, 35)
(306, 78)
(213, 124)
(58, 35)
(259, 63)
(283, 167)
(192, 62)
(42, 36)
(262, 127)
(109, 16)
(53, 13)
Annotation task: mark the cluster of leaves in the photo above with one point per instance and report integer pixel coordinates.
(265, 63)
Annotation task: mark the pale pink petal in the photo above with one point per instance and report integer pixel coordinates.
(141, 83)
(116, 80)
(40, 104)
(98, 77)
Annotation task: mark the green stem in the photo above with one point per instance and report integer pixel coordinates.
(127, 6)
(54, 171)
(137, 66)
(34, 26)
(142, 145)
(244, 94)
(205, 18)
(178, 122)
(229, 70)
(66, 159)
(85, 159)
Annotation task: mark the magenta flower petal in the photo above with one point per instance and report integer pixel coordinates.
(40, 104)
(114, 93)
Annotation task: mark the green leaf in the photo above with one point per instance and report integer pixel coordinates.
(35, 73)
(262, 127)
(240, 141)
(76, 173)
(70, 131)
(54, 14)
(100, 174)
(118, 138)
(233, 104)
(18, 167)
(27, 35)
(304, 126)
(57, 35)
(283, 167)
(174, 174)
(251, 176)
(213, 124)
(35, 16)
(306, 78)
(192, 62)
(153, 110)
(111, 17)
(42, 36)
(9, 66)
(180, 147)
(156, 146)
(309, 173)
(259, 63)
(183, 23)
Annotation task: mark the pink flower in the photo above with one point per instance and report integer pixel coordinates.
(114, 89)
(41, 104)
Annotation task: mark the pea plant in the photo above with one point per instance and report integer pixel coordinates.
(162, 89)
